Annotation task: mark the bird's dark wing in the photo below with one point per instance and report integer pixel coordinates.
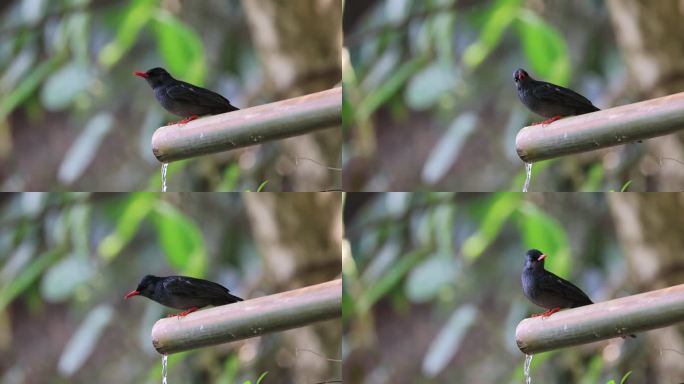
(195, 288)
(188, 93)
(563, 288)
(557, 94)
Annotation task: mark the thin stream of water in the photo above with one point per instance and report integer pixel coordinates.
(165, 365)
(528, 177)
(526, 370)
(165, 166)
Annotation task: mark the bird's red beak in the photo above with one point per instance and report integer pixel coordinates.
(542, 257)
(141, 74)
(131, 294)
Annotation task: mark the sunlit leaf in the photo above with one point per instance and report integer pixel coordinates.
(62, 87)
(500, 16)
(181, 48)
(135, 17)
(499, 209)
(181, 240)
(543, 232)
(82, 344)
(544, 48)
(136, 208)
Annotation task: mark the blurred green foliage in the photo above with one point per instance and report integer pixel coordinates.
(443, 270)
(66, 78)
(417, 69)
(66, 259)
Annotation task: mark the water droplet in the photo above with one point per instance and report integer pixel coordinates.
(528, 176)
(165, 166)
(165, 365)
(526, 370)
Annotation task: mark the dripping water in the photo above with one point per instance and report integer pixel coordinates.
(164, 368)
(165, 166)
(528, 176)
(526, 370)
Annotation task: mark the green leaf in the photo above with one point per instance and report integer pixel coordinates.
(499, 17)
(625, 186)
(136, 208)
(499, 209)
(230, 178)
(624, 378)
(27, 276)
(261, 377)
(389, 280)
(181, 48)
(261, 186)
(27, 86)
(181, 240)
(134, 19)
(546, 234)
(388, 88)
(544, 48)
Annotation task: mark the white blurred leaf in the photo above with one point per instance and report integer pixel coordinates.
(62, 86)
(425, 87)
(64, 277)
(448, 147)
(84, 148)
(446, 343)
(33, 202)
(82, 343)
(427, 278)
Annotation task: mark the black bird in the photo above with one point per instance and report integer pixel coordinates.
(548, 290)
(182, 292)
(184, 99)
(550, 100)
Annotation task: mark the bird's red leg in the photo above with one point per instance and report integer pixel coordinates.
(547, 121)
(187, 119)
(181, 122)
(547, 313)
(184, 313)
(550, 312)
(187, 311)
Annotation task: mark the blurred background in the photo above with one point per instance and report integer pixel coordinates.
(67, 260)
(74, 117)
(432, 288)
(430, 97)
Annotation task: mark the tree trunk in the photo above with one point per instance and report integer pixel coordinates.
(648, 33)
(300, 45)
(649, 227)
(299, 237)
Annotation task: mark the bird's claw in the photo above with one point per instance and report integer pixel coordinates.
(184, 121)
(548, 121)
(184, 313)
(547, 313)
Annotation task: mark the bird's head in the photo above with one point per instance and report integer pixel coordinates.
(155, 76)
(534, 259)
(520, 76)
(145, 287)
